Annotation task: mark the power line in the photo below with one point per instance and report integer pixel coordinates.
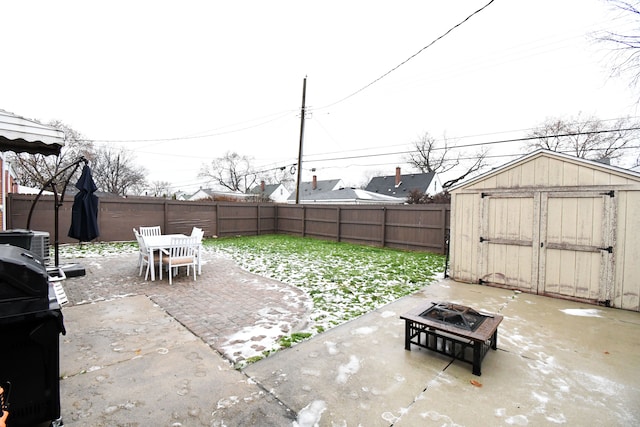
(477, 144)
(280, 115)
(457, 138)
(446, 33)
(475, 157)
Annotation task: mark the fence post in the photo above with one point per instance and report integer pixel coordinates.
(338, 223)
(165, 219)
(443, 222)
(258, 218)
(383, 242)
(217, 208)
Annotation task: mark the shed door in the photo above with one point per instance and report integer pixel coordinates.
(508, 236)
(556, 243)
(577, 244)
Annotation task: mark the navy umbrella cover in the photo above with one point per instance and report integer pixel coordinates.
(84, 213)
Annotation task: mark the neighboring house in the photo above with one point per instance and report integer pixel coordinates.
(348, 196)
(181, 195)
(21, 189)
(7, 181)
(401, 186)
(308, 190)
(208, 193)
(275, 192)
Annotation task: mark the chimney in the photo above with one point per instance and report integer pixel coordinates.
(314, 183)
(398, 180)
(262, 186)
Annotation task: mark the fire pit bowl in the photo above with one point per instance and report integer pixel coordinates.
(453, 314)
(453, 330)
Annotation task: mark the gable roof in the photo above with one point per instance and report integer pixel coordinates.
(268, 189)
(614, 170)
(206, 193)
(307, 190)
(409, 182)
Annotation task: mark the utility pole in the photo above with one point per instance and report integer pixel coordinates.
(302, 113)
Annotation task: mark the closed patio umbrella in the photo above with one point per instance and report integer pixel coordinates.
(84, 213)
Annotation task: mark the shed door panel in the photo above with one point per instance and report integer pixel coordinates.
(575, 230)
(508, 241)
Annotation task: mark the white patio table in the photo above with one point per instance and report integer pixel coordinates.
(158, 243)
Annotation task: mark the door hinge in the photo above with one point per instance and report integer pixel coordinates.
(609, 193)
(482, 239)
(608, 249)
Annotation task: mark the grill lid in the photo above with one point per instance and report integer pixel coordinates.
(22, 274)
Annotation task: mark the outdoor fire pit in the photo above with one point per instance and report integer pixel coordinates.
(453, 330)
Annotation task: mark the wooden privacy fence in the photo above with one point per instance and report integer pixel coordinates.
(412, 227)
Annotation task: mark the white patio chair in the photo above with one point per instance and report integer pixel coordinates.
(181, 253)
(199, 234)
(151, 231)
(144, 256)
(140, 254)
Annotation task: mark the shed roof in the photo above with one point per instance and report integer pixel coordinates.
(542, 153)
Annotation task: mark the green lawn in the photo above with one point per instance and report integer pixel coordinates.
(344, 280)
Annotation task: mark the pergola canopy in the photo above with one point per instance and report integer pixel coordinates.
(22, 135)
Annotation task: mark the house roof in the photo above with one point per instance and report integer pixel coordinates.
(205, 193)
(409, 182)
(307, 191)
(351, 195)
(268, 189)
(627, 173)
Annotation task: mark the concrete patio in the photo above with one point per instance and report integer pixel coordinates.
(127, 361)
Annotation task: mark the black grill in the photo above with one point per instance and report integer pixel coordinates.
(30, 324)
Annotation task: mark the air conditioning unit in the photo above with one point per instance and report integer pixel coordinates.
(40, 245)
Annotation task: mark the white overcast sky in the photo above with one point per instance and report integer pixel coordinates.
(154, 75)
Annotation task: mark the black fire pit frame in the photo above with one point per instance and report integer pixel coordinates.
(464, 345)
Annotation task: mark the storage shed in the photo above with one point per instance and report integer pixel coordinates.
(550, 224)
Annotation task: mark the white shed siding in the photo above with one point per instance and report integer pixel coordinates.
(626, 287)
(545, 223)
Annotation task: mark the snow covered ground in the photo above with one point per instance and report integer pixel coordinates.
(344, 281)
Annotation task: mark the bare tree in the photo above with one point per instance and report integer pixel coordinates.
(367, 176)
(588, 139)
(160, 188)
(625, 48)
(431, 155)
(114, 171)
(280, 175)
(232, 171)
(35, 170)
